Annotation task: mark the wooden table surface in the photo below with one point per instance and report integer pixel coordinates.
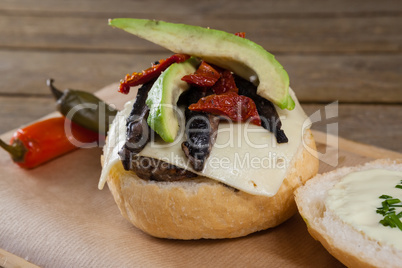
(336, 50)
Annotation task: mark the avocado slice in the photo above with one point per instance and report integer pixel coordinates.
(163, 97)
(242, 56)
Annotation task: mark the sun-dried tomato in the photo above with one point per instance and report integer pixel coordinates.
(241, 34)
(238, 108)
(225, 84)
(205, 76)
(136, 79)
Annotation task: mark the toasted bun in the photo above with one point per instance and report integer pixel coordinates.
(204, 208)
(349, 246)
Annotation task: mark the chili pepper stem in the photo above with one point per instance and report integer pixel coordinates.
(56, 93)
(16, 150)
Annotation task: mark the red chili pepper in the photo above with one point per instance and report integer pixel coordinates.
(225, 84)
(44, 140)
(241, 34)
(238, 108)
(205, 76)
(136, 79)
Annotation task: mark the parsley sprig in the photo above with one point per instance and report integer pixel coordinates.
(389, 204)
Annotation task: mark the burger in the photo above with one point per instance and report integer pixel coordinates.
(215, 142)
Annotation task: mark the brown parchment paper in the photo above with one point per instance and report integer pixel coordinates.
(54, 216)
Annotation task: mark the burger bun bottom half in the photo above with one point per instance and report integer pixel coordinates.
(204, 208)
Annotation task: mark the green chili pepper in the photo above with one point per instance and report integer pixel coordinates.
(83, 108)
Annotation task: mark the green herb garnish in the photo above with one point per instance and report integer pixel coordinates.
(399, 185)
(391, 219)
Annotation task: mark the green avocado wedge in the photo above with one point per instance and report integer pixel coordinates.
(239, 55)
(163, 96)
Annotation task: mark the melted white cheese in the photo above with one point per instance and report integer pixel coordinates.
(244, 156)
(114, 142)
(355, 200)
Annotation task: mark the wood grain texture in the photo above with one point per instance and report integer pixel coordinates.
(370, 124)
(18, 111)
(26, 72)
(347, 78)
(226, 7)
(277, 35)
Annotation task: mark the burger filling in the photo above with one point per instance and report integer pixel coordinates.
(214, 95)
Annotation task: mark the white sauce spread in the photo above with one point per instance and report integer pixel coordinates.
(355, 200)
(244, 156)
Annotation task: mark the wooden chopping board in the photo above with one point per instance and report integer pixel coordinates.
(54, 216)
